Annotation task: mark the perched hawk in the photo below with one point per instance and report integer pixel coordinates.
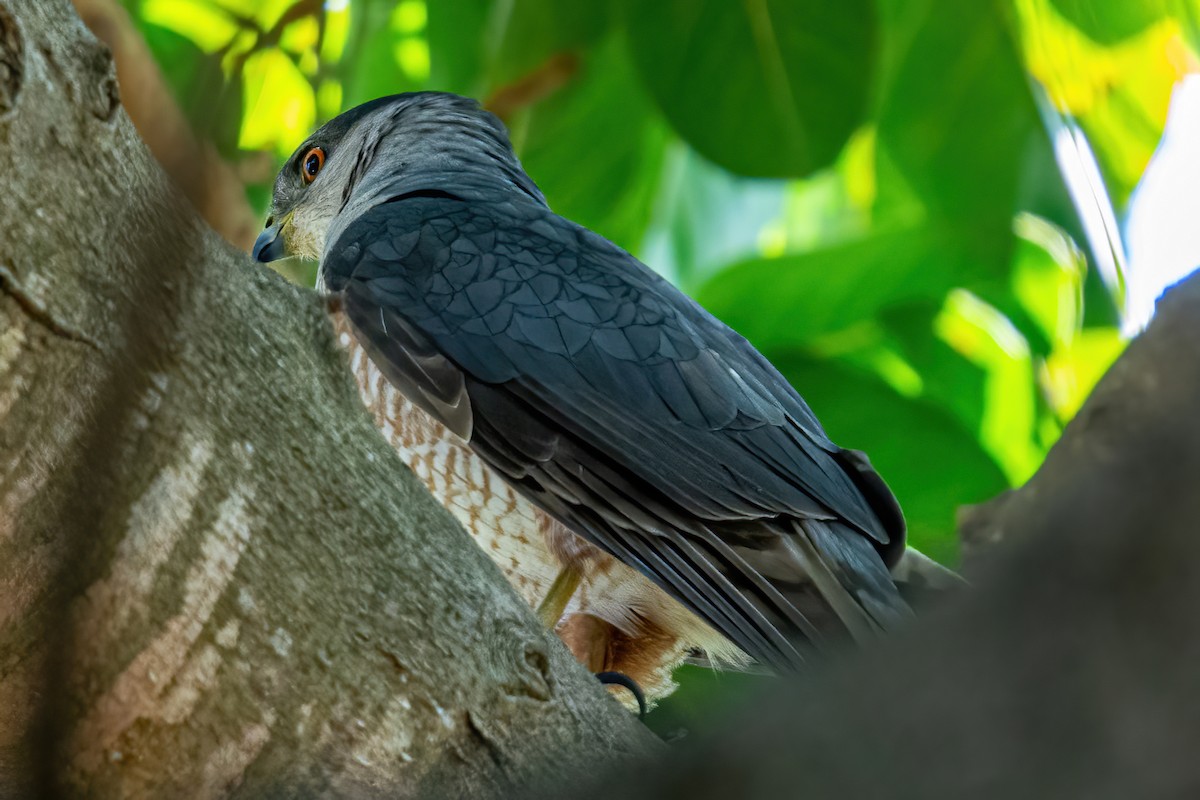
(639, 472)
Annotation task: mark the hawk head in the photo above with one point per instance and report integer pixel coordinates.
(427, 142)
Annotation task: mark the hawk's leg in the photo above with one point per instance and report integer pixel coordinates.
(647, 656)
(555, 602)
(588, 638)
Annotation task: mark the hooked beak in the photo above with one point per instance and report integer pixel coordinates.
(270, 245)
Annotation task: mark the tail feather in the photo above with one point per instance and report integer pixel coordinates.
(920, 579)
(850, 576)
(845, 584)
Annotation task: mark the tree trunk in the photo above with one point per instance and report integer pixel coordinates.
(215, 575)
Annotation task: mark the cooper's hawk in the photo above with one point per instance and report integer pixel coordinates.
(611, 444)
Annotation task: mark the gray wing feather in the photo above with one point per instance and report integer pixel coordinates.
(627, 412)
(410, 361)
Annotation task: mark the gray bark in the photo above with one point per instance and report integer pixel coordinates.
(1069, 670)
(215, 576)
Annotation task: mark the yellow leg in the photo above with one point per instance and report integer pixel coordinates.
(551, 609)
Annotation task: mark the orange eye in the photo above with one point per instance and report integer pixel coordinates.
(310, 165)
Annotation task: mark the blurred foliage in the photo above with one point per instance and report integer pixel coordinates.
(868, 190)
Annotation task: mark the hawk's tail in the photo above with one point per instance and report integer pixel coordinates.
(847, 571)
(835, 583)
(921, 579)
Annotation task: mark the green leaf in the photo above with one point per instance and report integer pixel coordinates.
(595, 148)
(369, 68)
(762, 87)
(947, 379)
(457, 45)
(1010, 426)
(704, 700)
(931, 462)
(706, 218)
(480, 45)
(280, 106)
(795, 298)
(208, 24)
(1119, 93)
(1110, 21)
(534, 30)
(180, 52)
(957, 119)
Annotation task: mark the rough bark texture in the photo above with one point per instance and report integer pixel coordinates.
(214, 573)
(1070, 670)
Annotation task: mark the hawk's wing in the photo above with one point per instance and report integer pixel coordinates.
(626, 411)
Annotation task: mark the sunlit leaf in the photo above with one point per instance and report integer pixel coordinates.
(1109, 22)
(300, 36)
(208, 26)
(337, 30)
(410, 16)
(984, 336)
(948, 379)
(1047, 279)
(263, 12)
(834, 205)
(762, 87)
(1119, 94)
(329, 99)
(412, 56)
(1071, 372)
(280, 106)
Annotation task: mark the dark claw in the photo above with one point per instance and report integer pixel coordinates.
(621, 679)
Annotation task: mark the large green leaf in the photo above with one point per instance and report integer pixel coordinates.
(762, 87)
(947, 379)
(792, 299)
(706, 218)
(185, 58)
(978, 372)
(931, 462)
(370, 69)
(1110, 21)
(457, 44)
(1119, 92)
(957, 118)
(478, 46)
(595, 147)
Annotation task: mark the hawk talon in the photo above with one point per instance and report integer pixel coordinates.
(621, 679)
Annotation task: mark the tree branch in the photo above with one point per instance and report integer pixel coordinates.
(214, 572)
